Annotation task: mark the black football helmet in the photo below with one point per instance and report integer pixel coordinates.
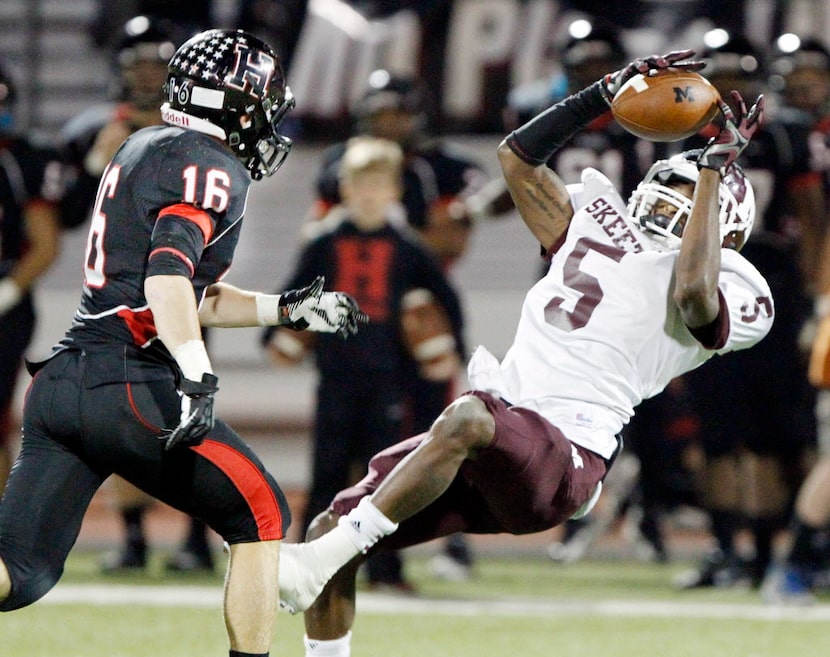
(146, 38)
(733, 63)
(809, 52)
(143, 51)
(386, 92)
(800, 71)
(230, 84)
(736, 56)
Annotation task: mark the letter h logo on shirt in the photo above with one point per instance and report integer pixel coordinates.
(363, 270)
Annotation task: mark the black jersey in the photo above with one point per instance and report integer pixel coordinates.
(76, 141)
(432, 172)
(27, 174)
(376, 268)
(170, 202)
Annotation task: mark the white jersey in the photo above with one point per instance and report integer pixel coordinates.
(601, 332)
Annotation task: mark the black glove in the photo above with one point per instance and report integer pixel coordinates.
(197, 416)
(724, 149)
(325, 312)
(612, 82)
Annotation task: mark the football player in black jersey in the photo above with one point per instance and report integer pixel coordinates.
(756, 430)
(129, 390)
(30, 189)
(436, 175)
(88, 142)
(801, 70)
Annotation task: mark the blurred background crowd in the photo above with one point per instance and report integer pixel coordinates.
(446, 79)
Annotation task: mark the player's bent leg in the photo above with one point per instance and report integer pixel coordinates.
(465, 427)
(43, 507)
(306, 568)
(328, 621)
(251, 595)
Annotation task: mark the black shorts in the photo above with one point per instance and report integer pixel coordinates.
(530, 479)
(81, 426)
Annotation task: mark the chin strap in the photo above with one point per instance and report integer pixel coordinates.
(178, 118)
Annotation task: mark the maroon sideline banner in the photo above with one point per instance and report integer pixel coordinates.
(485, 48)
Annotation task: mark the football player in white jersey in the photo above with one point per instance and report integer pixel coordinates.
(637, 293)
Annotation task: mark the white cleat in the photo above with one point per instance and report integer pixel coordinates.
(304, 572)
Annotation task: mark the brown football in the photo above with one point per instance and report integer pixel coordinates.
(427, 335)
(668, 105)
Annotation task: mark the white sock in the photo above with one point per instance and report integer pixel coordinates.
(341, 647)
(366, 525)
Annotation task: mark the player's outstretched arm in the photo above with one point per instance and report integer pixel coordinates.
(698, 263)
(227, 306)
(308, 308)
(539, 194)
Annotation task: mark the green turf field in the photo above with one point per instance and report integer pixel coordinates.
(514, 607)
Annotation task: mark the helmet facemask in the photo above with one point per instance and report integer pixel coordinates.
(258, 142)
(661, 211)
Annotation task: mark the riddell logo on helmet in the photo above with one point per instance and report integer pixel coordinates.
(175, 118)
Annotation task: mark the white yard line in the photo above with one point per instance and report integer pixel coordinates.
(374, 603)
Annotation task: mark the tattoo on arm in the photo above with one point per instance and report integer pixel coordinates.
(539, 194)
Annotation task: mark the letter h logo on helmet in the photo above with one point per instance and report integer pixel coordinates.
(252, 71)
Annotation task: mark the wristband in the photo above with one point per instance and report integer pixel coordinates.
(268, 309)
(193, 359)
(10, 294)
(538, 139)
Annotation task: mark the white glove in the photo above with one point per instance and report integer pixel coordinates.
(310, 308)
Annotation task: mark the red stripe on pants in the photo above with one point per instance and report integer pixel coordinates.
(250, 482)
